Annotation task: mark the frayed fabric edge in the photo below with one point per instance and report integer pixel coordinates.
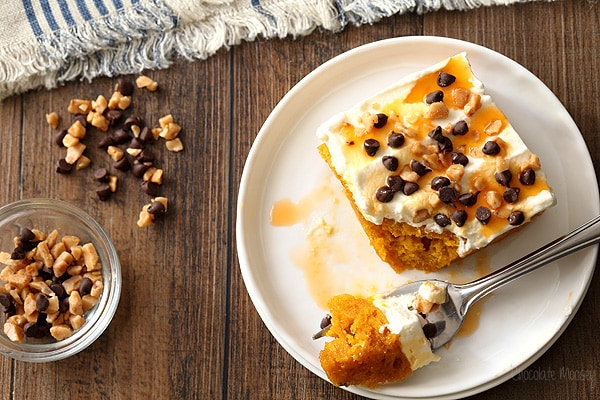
(151, 36)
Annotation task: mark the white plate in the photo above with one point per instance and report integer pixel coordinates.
(517, 324)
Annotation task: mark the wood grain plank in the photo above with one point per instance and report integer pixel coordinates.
(166, 340)
(264, 72)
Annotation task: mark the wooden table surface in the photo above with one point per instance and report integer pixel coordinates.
(186, 327)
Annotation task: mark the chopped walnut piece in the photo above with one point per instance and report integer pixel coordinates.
(455, 172)
(494, 199)
(437, 110)
(174, 145)
(473, 104)
(74, 152)
(53, 119)
(83, 162)
(493, 127)
(115, 152)
(460, 97)
(77, 130)
(144, 81)
(100, 104)
(79, 106)
(61, 331)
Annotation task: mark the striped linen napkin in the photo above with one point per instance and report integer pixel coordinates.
(44, 43)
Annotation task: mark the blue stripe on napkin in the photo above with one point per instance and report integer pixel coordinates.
(44, 20)
(33, 22)
(66, 12)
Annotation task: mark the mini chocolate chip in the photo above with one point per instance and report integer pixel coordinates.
(420, 168)
(445, 144)
(516, 218)
(381, 120)
(150, 188)
(133, 120)
(113, 116)
(146, 135)
(483, 214)
(26, 234)
(511, 195)
(395, 182)
(138, 169)
(101, 174)
(429, 330)
(445, 79)
(145, 156)
(468, 199)
(460, 128)
(18, 253)
(63, 167)
(325, 322)
(447, 194)
(439, 182)
(491, 148)
(527, 177)
(459, 217)
(31, 329)
(384, 194)
(46, 273)
(156, 208)
(503, 177)
(390, 163)
(82, 120)
(121, 136)
(436, 133)
(434, 97)
(125, 87)
(371, 146)
(395, 140)
(106, 141)
(136, 143)
(6, 300)
(410, 188)
(58, 290)
(122, 164)
(85, 286)
(441, 219)
(63, 305)
(104, 192)
(60, 135)
(459, 158)
(41, 302)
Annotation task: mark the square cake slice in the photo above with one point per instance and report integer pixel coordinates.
(433, 168)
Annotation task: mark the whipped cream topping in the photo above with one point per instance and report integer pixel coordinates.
(407, 112)
(405, 321)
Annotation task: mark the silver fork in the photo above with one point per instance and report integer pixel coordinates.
(445, 320)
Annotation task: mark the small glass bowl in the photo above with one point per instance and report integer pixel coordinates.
(47, 215)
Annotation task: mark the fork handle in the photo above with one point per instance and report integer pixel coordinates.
(584, 236)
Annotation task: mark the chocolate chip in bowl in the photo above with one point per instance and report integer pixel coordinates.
(60, 280)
